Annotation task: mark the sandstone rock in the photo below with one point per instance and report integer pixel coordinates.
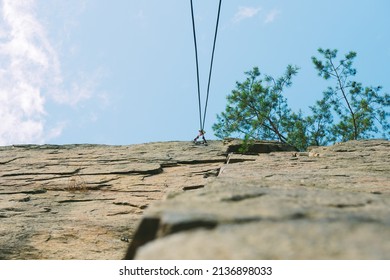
(84, 201)
(99, 202)
(285, 205)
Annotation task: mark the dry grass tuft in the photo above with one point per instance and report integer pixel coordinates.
(76, 183)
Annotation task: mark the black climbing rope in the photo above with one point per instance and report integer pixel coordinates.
(211, 63)
(197, 64)
(202, 120)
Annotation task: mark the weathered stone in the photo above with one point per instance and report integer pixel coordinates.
(85, 201)
(292, 239)
(334, 205)
(99, 202)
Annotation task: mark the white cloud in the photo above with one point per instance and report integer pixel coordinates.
(271, 16)
(30, 73)
(26, 57)
(245, 13)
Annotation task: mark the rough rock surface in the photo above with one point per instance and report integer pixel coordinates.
(178, 200)
(329, 203)
(85, 201)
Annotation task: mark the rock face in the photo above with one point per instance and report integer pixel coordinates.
(329, 203)
(85, 201)
(176, 200)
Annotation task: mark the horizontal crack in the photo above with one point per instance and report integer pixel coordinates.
(240, 197)
(131, 204)
(135, 172)
(84, 200)
(119, 213)
(16, 174)
(188, 188)
(26, 192)
(189, 225)
(190, 162)
(342, 205)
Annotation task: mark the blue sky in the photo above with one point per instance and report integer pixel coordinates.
(123, 71)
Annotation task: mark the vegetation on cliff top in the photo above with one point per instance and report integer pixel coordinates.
(257, 109)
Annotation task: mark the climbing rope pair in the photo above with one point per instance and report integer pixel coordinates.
(203, 118)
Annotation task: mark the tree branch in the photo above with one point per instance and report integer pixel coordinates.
(346, 99)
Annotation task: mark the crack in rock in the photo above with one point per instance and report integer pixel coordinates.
(84, 200)
(241, 197)
(40, 191)
(345, 205)
(146, 232)
(189, 188)
(144, 206)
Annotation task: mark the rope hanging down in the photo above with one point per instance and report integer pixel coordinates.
(202, 120)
